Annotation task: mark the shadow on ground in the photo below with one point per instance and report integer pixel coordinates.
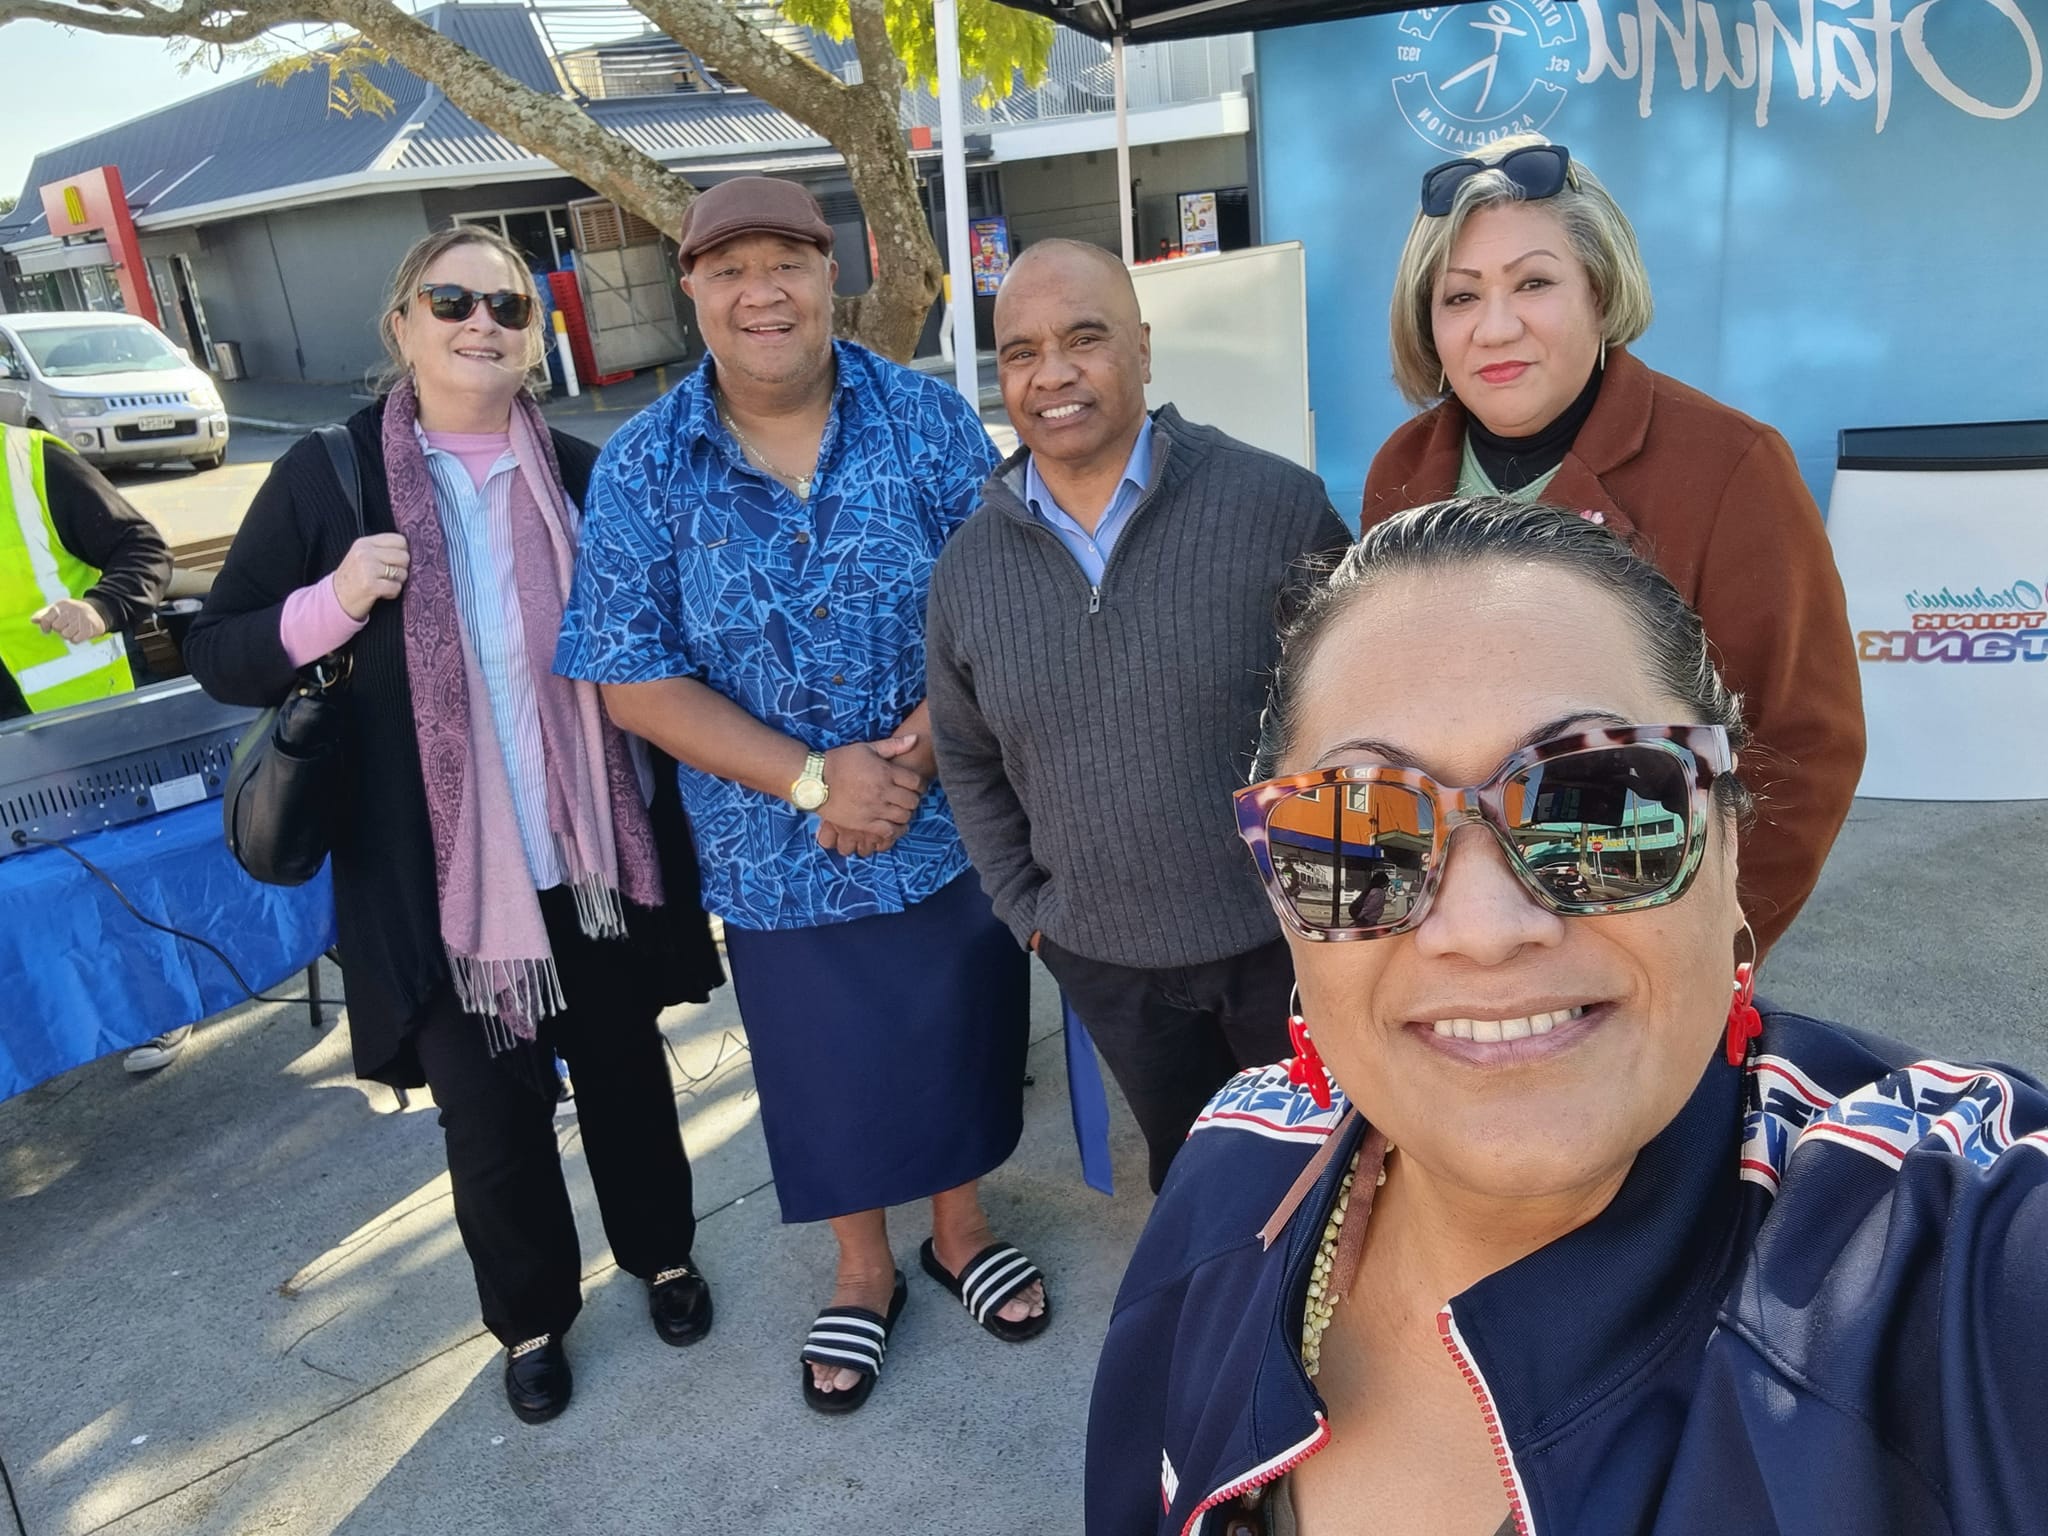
(236, 1302)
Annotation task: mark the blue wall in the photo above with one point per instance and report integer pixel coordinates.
(1816, 271)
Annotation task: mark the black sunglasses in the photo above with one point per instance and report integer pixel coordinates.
(1536, 171)
(452, 301)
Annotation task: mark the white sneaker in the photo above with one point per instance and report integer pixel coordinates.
(154, 1055)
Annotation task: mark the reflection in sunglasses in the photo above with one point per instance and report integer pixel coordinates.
(1596, 822)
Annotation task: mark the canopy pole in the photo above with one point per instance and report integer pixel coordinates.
(1123, 149)
(953, 160)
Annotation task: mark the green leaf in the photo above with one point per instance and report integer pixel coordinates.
(349, 87)
(998, 44)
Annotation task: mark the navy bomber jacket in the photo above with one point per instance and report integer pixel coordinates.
(1818, 1304)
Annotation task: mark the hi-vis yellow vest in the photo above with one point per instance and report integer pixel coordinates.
(36, 570)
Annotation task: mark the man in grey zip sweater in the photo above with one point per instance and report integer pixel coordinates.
(1100, 635)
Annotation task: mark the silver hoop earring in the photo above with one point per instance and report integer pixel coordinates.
(1443, 382)
(1603, 353)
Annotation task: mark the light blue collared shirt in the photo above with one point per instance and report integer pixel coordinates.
(1093, 550)
(476, 522)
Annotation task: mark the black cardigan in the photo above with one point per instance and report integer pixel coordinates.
(296, 531)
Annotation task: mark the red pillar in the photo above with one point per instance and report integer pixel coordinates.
(93, 202)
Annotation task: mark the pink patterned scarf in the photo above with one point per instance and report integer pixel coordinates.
(491, 919)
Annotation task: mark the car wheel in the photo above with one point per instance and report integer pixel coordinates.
(211, 461)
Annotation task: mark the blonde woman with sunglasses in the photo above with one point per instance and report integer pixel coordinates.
(1551, 1227)
(505, 890)
(1519, 294)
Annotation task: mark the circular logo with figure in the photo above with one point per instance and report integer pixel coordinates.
(1469, 74)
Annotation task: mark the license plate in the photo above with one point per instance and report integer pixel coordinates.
(156, 423)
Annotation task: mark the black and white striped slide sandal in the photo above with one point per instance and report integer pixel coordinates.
(987, 1281)
(855, 1338)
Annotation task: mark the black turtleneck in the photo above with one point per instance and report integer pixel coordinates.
(1512, 462)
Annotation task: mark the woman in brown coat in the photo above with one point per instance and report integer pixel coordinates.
(1519, 289)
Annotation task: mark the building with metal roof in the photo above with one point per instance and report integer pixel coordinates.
(267, 218)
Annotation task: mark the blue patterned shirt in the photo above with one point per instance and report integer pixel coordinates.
(808, 615)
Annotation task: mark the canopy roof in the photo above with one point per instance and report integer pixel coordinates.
(1151, 21)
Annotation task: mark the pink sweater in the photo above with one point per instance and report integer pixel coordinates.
(314, 622)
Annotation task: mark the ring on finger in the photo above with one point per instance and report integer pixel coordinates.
(389, 573)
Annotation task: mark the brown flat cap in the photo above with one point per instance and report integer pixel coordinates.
(752, 205)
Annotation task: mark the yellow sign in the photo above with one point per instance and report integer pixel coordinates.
(74, 205)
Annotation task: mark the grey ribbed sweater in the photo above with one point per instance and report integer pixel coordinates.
(1089, 737)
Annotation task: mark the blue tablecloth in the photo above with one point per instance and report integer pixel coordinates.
(80, 977)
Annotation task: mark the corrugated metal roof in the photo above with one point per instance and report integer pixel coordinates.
(671, 127)
(503, 34)
(665, 127)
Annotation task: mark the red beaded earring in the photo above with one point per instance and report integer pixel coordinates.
(1744, 1022)
(1306, 1070)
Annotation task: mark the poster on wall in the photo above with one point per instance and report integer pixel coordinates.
(989, 243)
(1198, 225)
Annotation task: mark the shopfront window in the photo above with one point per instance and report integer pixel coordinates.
(542, 234)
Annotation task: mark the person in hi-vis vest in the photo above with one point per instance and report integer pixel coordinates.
(78, 565)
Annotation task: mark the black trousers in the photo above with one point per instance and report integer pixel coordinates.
(498, 1114)
(1173, 1037)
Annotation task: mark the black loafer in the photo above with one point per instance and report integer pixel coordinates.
(537, 1378)
(679, 1301)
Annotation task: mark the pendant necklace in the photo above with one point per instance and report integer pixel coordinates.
(801, 484)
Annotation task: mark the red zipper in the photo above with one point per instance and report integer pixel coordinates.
(1511, 1479)
(1272, 1471)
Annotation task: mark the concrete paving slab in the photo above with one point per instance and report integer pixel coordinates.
(1930, 924)
(251, 1251)
(236, 1303)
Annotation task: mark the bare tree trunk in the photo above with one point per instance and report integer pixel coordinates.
(891, 314)
(860, 121)
(541, 124)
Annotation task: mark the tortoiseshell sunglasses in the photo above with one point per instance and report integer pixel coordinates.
(1593, 823)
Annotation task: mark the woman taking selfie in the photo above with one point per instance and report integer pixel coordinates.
(1518, 294)
(503, 889)
(1544, 1231)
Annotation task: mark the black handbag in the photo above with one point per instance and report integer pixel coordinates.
(285, 791)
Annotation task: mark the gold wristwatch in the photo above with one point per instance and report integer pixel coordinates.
(809, 792)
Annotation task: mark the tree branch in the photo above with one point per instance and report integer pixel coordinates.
(880, 68)
(735, 47)
(553, 126)
(195, 19)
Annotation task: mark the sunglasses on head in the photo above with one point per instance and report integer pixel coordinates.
(1536, 171)
(1593, 823)
(453, 302)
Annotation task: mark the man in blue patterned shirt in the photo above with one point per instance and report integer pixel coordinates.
(750, 593)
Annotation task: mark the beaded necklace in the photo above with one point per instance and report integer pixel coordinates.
(1323, 1288)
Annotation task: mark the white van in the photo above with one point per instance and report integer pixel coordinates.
(112, 386)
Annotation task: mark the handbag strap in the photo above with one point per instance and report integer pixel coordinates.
(341, 453)
(330, 670)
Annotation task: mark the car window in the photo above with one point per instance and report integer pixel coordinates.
(71, 352)
(7, 353)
